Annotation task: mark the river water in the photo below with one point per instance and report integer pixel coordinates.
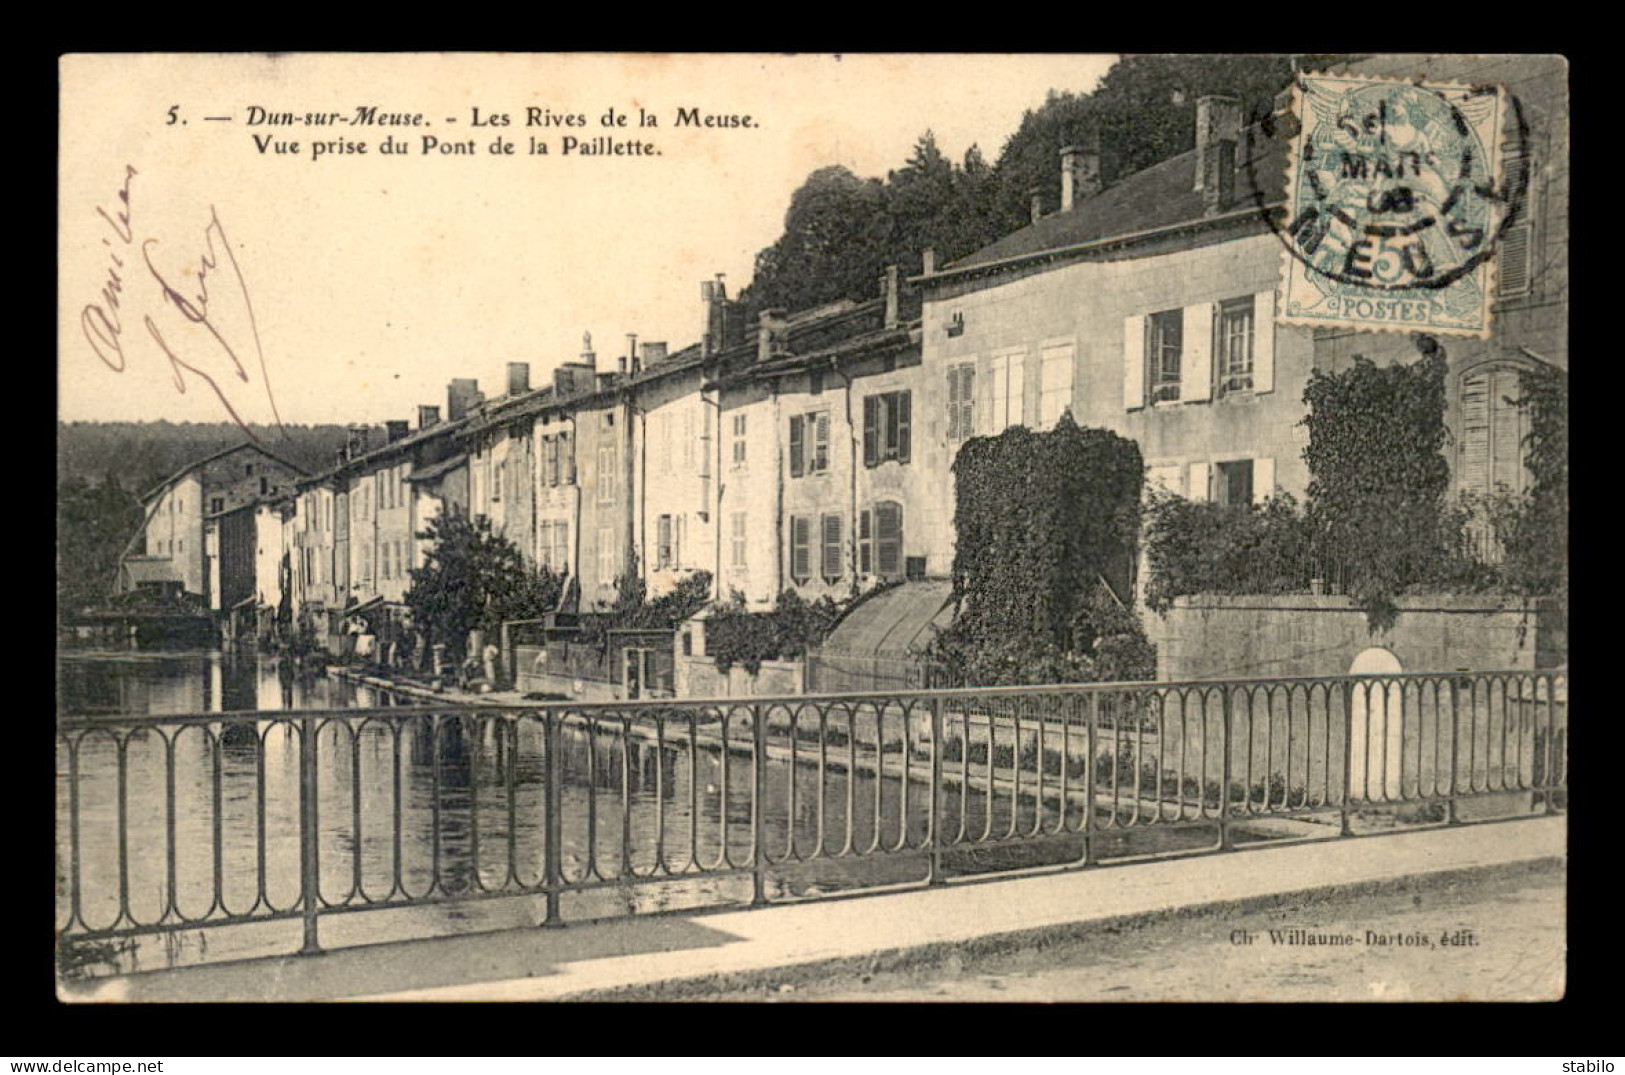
(443, 785)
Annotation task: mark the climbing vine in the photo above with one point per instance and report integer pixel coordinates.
(734, 635)
(1046, 526)
(1378, 478)
(1534, 528)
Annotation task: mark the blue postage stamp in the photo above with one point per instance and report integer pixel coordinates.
(1395, 198)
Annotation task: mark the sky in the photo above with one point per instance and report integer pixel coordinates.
(203, 277)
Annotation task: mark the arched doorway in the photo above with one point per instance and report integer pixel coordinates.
(1377, 730)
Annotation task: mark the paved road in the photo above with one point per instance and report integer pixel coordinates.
(1517, 924)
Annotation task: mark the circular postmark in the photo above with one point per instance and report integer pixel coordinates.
(1391, 186)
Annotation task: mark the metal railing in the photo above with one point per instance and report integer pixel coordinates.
(172, 823)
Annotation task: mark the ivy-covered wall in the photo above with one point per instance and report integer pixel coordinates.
(1047, 525)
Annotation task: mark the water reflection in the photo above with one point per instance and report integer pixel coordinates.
(422, 805)
(157, 682)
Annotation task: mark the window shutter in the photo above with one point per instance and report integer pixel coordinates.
(1196, 365)
(1198, 483)
(1263, 478)
(820, 456)
(1506, 432)
(832, 547)
(800, 553)
(1512, 259)
(1475, 433)
(871, 430)
(903, 408)
(1264, 341)
(866, 562)
(888, 539)
(953, 402)
(967, 400)
(796, 442)
(1134, 362)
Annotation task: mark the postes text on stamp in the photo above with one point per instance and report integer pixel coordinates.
(1394, 202)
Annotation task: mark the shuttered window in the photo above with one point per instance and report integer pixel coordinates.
(606, 474)
(830, 546)
(1492, 430)
(962, 401)
(888, 539)
(1006, 390)
(809, 443)
(886, 428)
(606, 556)
(1512, 260)
(561, 546)
(800, 548)
(738, 539)
(866, 543)
(663, 543)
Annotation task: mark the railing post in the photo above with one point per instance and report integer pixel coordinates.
(1225, 715)
(552, 798)
(1090, 746)
(758, 805)
(934, 873)
(1452, 815)
(310, 888)
(1344, 821)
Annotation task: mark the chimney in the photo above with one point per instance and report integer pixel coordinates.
(462, 396)
(1218, 120)
(888, 288)
(620, 366)
(653, 352)
(632, 350)
(427, 416)
(395, 429)
(588, 357)
(1036, 196)
(928, 261)
(518, 378)
(715, 296)
(564, 381)
(770, 334)
(359, 436)
(1080, 172)
(1219, 184)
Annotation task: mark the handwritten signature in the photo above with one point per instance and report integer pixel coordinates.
(221, 358)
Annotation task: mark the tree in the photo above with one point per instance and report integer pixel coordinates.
(94, 523)
(1146, 105)
(475, 579)
(836, 238)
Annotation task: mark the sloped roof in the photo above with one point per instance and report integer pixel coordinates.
(435, 470)
(221, 454)
(1161, 196)
(894, 623)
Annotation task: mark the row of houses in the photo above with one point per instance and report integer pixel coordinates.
(813, 450)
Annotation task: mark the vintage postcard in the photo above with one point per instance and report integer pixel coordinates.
(730, 526)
